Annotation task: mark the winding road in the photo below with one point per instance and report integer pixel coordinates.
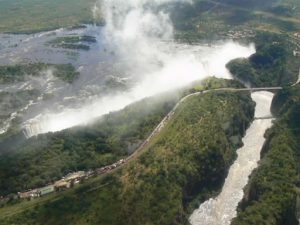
(169, 116)
(116, 166)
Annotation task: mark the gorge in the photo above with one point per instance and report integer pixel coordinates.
(222, 209)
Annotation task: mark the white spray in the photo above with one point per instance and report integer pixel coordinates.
(142, 35)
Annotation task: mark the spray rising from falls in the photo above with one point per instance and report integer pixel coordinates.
(141, 36)
(222, 210)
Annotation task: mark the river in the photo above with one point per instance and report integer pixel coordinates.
(222, 209)
(109, 79)
(135, 56)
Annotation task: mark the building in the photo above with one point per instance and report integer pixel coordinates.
(29, 194)
(296, 53)
(47, 190)
(73, 177)
(62, 184)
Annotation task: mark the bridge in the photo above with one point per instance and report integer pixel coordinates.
(249, 89)
(264, 118)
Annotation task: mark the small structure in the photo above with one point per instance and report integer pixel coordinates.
(296, 53)
(62, 184)
(74, 177)
(297, 35)
(46, 190)
(29, 194)
(89, 174)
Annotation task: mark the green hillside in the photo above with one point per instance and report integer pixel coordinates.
(273, 64)
(35, 162)
(187, 161)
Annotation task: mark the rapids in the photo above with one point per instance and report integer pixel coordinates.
(222, 209)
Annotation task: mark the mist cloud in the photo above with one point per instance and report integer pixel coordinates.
(143, 36)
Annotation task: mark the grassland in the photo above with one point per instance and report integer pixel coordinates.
(27, 16)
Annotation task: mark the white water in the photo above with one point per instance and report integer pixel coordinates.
(221, 210)
(138, 35)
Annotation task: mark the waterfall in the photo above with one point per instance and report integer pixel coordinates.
(140, 33)
(222, 209)
(32, 127)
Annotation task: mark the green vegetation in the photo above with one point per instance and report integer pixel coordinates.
(272, 196)
(25, 16)
(211, 20)
(73, 46)
(65, 72)
(188, 158)
(40, 160)
(188, 161)
(73, 39)
(272, 65)
(214, 83)
(192, 155)
(206, 18)
(17, 73)
(114, 136)
(73, 42)
(249, 3)
(12, 102)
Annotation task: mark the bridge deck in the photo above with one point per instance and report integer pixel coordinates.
(264, 118)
